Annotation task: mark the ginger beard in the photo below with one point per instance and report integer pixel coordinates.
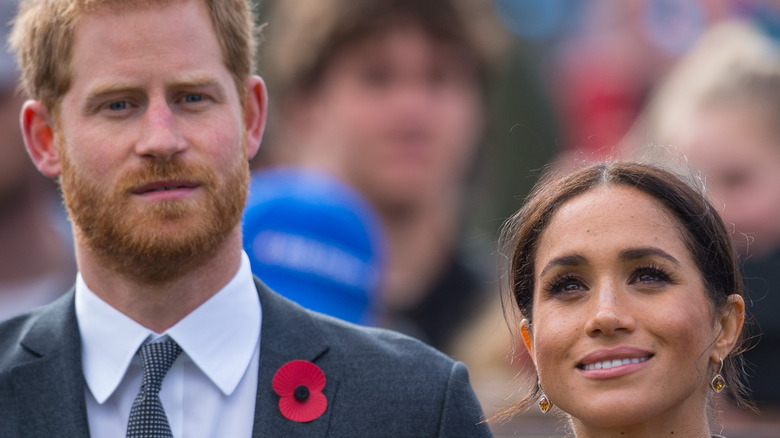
(162, 242)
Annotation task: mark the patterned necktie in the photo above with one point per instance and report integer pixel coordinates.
(147, 416)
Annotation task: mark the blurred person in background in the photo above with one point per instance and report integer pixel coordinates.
(388, 95)
(717, 112)
(36, 256)
(599, 60)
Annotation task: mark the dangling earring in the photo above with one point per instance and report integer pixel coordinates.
(718, 382)
(544, 403)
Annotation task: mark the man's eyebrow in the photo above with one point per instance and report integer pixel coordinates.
(194, 80)
(567, 260)
(100, 91)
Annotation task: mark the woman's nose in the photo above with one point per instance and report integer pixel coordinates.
(609, 312)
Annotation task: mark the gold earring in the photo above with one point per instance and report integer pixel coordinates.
(718, 382)
(544, 403)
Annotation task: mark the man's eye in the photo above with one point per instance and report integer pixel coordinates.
(118, 106)
(192, 98)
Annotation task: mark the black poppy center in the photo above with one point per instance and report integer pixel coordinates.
(301, 393)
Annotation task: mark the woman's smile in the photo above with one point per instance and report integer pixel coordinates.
(613, 362)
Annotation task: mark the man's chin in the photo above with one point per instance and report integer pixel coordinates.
(153, 249)
(159, 258)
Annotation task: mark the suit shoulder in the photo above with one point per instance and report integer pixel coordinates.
(422, 391)
(289, 320)
(371, 343)
(50, 329)
(12, 331)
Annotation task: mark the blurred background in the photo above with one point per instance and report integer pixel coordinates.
(476, 98)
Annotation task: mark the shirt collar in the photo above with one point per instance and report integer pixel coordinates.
(226, 325)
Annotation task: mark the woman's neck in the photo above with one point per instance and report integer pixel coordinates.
(686, 417)
(687, 427)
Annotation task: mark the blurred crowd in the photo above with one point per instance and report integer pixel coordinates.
(403, 132)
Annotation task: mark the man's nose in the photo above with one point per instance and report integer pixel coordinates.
(160, 137)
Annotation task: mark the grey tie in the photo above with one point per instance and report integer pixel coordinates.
(147, 416)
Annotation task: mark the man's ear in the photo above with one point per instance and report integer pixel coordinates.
(730, 321)
(38, 131)
(255, 113)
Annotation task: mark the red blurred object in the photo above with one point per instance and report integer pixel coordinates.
(599, 94)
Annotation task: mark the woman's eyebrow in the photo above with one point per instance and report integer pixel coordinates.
(567, 260)
(624, 255)
(640, 253)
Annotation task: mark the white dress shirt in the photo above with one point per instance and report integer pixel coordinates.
(209, 391)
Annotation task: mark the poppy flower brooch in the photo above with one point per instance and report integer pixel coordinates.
(299, 384)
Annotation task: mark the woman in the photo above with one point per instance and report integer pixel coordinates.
(631, 301)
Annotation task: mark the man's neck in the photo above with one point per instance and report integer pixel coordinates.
(159, 306)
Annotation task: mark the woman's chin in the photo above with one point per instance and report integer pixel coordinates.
(609, 417)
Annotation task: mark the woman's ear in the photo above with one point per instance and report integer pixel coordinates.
(38, 131)
(730, 321)
(525, 331)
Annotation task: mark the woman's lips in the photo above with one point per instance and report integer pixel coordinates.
(613, 362)
(607, 364)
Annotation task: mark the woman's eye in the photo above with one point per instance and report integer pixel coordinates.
(651, 275)
(565, 285)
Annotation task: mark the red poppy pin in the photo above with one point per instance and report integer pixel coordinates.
(299, 383)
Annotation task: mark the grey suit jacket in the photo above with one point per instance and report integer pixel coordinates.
(379, 383)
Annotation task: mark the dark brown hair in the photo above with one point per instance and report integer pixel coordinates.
(304, 35)
(702, 229)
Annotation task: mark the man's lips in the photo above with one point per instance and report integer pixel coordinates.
(163, 186)
(613, 357)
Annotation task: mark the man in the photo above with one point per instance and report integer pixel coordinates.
(147, 112)
(388, 95)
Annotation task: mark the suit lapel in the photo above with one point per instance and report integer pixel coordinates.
(288, 333)
(53, 379)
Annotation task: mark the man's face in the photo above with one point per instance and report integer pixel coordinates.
(151, 140)
(403, 113)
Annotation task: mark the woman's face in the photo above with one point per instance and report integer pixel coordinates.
(622, 330)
